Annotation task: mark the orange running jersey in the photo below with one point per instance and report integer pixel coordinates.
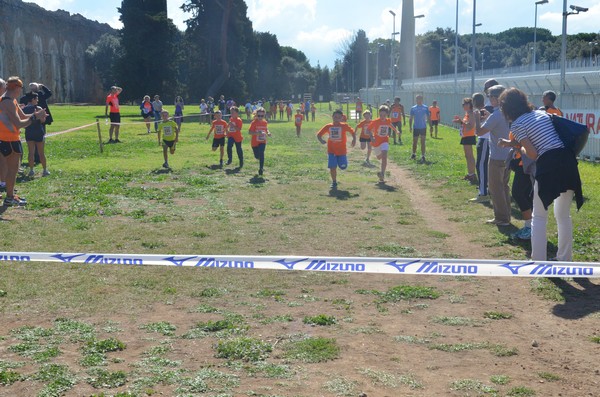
(465, 133)
(336, 142)
(364, 129)
(396, 112)
(298, 119)
(220, 128)
(435, 113)
(234, 129)
(381, 131)
(261, 127)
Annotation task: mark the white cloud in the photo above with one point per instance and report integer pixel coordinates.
(265, 12)
(584, 22)
(53, 5)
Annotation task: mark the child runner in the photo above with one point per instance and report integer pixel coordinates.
(289, 109)
(34, 135)
(298, 122)
(380, 130)
(434, 110)
(398, 118)
(336, 144)
(169, 131)
(234, 136)
(313, 111)
(259, 131)
(365, 135)
(219, 126)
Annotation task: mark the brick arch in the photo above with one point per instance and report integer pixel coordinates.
(67, 60)
(54, 65)
(19, 52)
(37, 59)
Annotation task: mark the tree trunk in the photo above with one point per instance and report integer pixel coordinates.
(224, 75)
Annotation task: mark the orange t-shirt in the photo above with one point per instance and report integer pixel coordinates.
(555, 111)
(364, 129)
(435, 113)
(359, 106)
(463, 132)
(234, 129)
(113, 101)
(396, 112)
(261, 127)
(298, 119)
(381, 131)
(336, 142)
(8, 131)
(219, 127)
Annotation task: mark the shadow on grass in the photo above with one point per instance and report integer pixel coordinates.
(233, 171)
(160, 171)
(384, 186)
(257, 180)
(578, 303)
(342, 194)
(214, 167)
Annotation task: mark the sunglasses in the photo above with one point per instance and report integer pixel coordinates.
(260, 115)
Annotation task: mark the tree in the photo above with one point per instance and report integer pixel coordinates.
(147, 37)
(104, 55)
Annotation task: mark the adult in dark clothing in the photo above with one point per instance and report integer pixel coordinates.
(43, 94)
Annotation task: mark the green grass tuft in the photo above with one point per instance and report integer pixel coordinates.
(312, 350)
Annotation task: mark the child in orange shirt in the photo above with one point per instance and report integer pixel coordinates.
(380, 130)
(336, 144)
(298, 121)
(434, 111)
(219, 126)
(259, 131)
(234, 136)
(365, 135)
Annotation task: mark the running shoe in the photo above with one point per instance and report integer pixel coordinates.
(522, 234)
(45, 173)
(31, 173)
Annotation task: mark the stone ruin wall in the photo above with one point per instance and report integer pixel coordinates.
(49, 47)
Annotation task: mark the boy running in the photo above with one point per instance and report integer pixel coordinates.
(234, 136)
(380, 130)
(298, 122)
(169, 132)
(434, 111)
(398, 118)
(336, 144)
(219, 126)
(365, 135)
(259, 131)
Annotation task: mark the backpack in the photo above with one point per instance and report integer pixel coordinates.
(573, 134)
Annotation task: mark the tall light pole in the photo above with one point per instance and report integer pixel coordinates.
(414, 59)
(482, 63)
(377, 67)
(592, 44)
(367, 76)
(537, 3)
(392, 67)
(441, 41)
(473, 47)
(563, 47)
(456, 52)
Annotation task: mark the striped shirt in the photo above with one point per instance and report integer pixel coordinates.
(537, 126)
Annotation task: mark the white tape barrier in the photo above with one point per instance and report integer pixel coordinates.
(107, 122)
(400, 266)
(65, 131)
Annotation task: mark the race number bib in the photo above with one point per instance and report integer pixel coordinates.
(335, 133)
(167, 130)
(262, 135)
(395, 115)
(219, 130)
(232, 127)
(383, 131)
(298, 120)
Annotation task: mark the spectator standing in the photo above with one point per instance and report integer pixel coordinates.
(557, 177)
(467, 137)
(11, 119)
(158, 108)
(34, 136)
(434, 110)
(178, 116)
(112, 102)
(498, 173)
(419, 115)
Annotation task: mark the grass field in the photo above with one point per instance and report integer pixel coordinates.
(110, 330)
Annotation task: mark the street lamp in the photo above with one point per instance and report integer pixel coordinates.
(592, 44)
(537, 3)
(441, 41)
(563, 47)
(456, 52)
(377, 68)
(473, 47)
(482, 63)
(473, 59)
(414, 65)
(367, 76)
(392, 68)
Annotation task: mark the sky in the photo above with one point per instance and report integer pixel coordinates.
(319, 27)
